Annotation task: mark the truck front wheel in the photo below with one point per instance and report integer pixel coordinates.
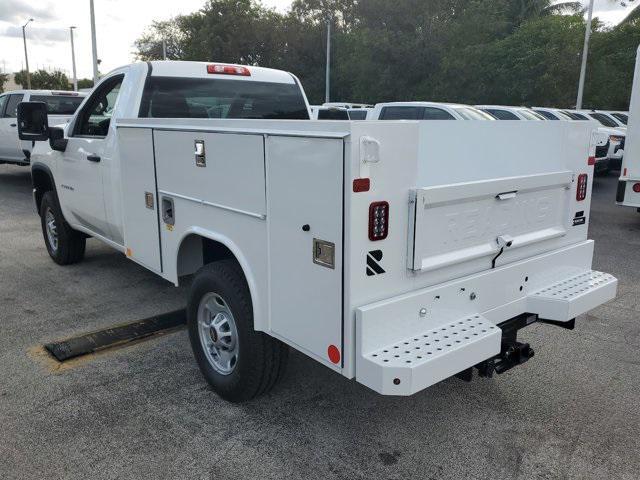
(64, 244)
(238, 362)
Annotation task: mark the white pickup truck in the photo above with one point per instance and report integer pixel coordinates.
(349, 241)
(61, 106)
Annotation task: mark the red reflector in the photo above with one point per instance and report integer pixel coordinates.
(624, 174)
(334, 354)
(228, 70)
(378, 221)
(636, 187)
(361, 185)
(591, 161)
(581, 191)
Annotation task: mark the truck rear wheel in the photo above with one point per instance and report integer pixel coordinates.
(238, 362)
(64, 244)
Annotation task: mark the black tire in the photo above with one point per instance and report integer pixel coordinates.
(71, 243)
(261, 359)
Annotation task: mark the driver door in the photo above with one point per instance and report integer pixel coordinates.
(88, 157)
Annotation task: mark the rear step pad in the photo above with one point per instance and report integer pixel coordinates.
(573, 296)
(410, 365)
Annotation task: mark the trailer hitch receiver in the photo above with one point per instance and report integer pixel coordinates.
(513, 354)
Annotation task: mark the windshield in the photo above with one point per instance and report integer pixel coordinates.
(60, 104)
(469, 113)
(621, 117)
(176, 97)
(358, 114)
(530, 114)
(332, 114)
(603, 119)
(575, 116)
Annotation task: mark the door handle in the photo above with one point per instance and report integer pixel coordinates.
(13, 124)
(93, 158)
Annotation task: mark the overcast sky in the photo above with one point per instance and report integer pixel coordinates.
(118, 24)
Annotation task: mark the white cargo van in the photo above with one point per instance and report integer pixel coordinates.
(351, 242)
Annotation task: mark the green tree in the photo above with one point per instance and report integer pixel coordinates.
(538, 64)
(149, 45)
(3, 79)
(471, 51)
(43, 80)
(611, 64)
(85, 83)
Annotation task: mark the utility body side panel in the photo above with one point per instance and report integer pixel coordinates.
(304, 192)
(254, 193)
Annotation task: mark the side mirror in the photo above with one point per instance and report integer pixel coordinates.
(33, 123)
(57, 140)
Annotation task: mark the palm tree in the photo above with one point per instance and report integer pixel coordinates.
(633, 15)
(526, 9)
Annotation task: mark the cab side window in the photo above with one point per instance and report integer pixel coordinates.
(3, 102)
(95, 117)
(12, 105)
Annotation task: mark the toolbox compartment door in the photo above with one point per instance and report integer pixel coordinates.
(453, 224)
(140, 197)
(304, 222)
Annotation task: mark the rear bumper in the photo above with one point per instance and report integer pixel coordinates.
(410, 342)
(625, 195)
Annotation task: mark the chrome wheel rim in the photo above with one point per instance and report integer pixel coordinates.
(218, 333)
(51, 229)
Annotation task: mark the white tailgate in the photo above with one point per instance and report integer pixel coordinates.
(453, 224)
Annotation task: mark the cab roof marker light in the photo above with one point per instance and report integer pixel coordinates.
(218, 69)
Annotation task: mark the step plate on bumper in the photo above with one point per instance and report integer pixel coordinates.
(419, 361)
(573, 296)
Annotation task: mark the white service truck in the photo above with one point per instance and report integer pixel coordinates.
(349, 241)
(628, 193)
(61, 106)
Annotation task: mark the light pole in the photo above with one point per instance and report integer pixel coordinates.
(26, 57)
(585, 53)
(73, 61)
(328, 69)
(94, 48)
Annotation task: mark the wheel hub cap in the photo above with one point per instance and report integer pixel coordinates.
(218, 333)
(51, 229)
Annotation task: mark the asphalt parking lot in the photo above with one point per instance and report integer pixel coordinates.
(144, 411)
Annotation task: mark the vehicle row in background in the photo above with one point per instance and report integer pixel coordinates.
(60, 107)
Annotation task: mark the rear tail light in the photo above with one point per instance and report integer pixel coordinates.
(591, 161)
(581, 192)
(228, 70)
(378, 221)
(636, 187)
(361, 185)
